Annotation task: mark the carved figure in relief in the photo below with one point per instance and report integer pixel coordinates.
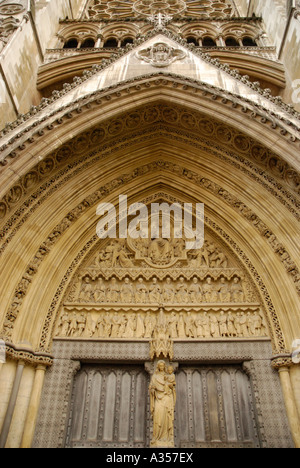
(107, 325)
(100, 326)
(181, 326)
(218, 259)
(63, 326)
(140, 326)
(237, 292)
(214, 326)
(195, 291)
(164, 328)
(173, 326)
(189, 326)
(224, 291)
(86, 291)
(150, 323)
(155, 292)
(223, 324)
(209, 291)
(160, 251)
(124, 260)
(81, 321)
(90, 326)
(113, 291)
(230, 324)
(130, 327)
(257, 324)
(243, 324)
(168, 292)
(141, 293)
(162, 405)
(181, 291)
(179, 246)
(127, 292)
(73, 325)
(100, 291)
(206, 325)
(115, 326)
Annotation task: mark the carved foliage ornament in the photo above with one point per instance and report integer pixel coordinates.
(160, 55)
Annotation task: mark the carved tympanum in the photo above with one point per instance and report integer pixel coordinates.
(154, 289)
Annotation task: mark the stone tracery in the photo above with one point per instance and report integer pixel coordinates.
(110, 9)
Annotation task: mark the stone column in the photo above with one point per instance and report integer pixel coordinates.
(33, 409)
(7, 378)
(282, 364)
(295, 379)
(11, 404)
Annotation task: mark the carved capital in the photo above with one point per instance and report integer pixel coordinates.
(281, 361)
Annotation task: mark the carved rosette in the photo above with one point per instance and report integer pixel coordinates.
(9, 22)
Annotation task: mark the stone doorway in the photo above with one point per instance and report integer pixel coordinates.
(215, 408)
(109, 407)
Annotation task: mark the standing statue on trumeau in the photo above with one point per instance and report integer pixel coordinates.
(162, 404)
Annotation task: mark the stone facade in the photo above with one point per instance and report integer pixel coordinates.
(165, 102)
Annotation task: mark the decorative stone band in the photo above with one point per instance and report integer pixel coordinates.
(27, 355)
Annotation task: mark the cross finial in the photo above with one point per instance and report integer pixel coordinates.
(159, 20)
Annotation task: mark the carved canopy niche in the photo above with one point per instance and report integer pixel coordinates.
(125, 288)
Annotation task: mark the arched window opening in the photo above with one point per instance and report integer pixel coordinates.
(111, 43)
(249, 42)
(192, 40)
(88, 44)
(71, 44)
(231, 42)
(208, 42)
(127, 40)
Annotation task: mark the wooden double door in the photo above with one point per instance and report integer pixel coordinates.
(110, 407)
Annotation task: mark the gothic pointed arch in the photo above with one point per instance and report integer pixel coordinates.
(208, 136)
(145, 129)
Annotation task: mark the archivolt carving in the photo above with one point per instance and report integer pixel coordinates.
(226, 137)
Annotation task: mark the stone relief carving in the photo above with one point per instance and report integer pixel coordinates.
(162, 405)
(8, 22)
(126, 292)
(167, 291)
(236, 323)
(7, 7)
(7, 28)
(160, 55)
